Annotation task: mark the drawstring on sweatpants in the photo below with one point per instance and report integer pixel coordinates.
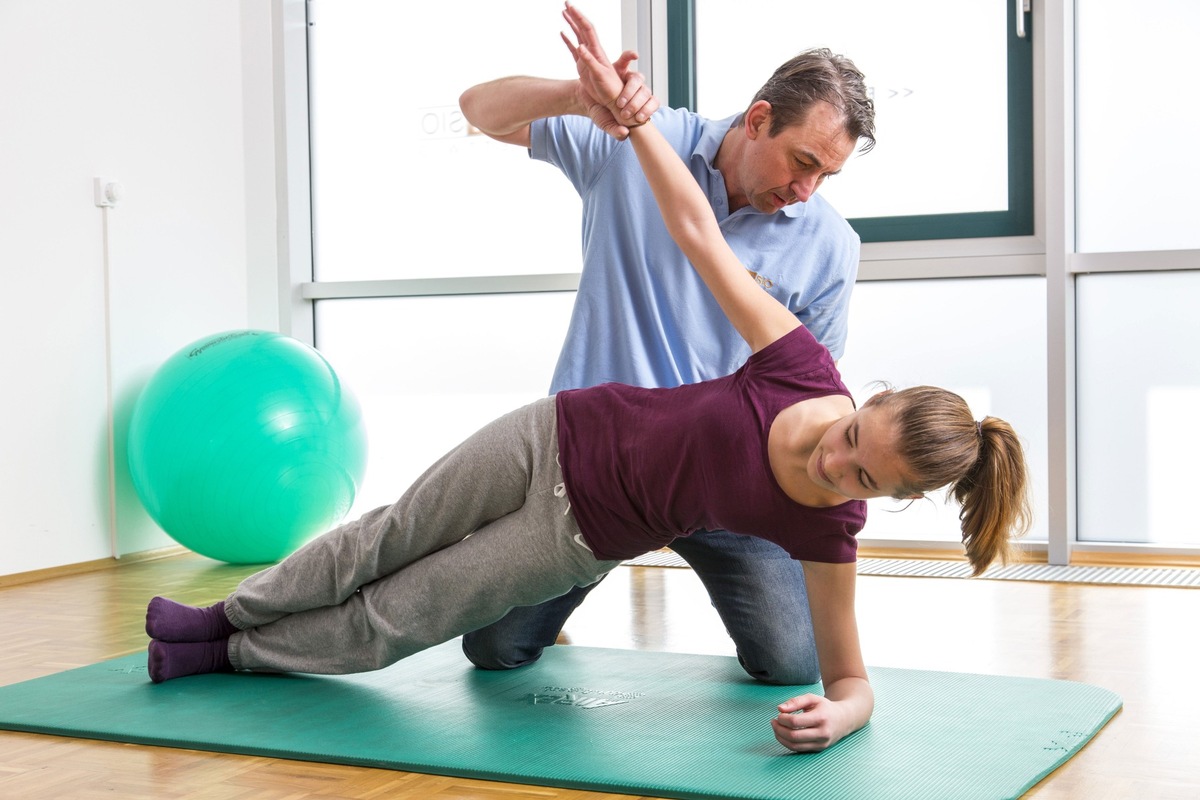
(560, 489)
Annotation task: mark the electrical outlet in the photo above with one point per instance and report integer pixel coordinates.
(106, 192)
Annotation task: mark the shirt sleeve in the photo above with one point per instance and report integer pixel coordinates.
(825, 315)
(581, 150)
(795, 353)
(573, 144)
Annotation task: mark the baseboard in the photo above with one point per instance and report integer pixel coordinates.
(33, 576)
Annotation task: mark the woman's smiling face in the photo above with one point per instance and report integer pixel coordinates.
(857, 457)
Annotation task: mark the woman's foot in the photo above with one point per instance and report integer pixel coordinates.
(169, 660)
(168, 621)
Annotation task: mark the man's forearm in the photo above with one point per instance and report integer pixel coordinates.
(504, 108)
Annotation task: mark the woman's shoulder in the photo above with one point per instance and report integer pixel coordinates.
(796, 352)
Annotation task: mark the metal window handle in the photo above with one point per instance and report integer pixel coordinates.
(1022, 10)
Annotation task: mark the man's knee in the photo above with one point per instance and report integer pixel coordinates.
(799, 670)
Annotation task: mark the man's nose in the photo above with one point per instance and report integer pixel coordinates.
(804, 188)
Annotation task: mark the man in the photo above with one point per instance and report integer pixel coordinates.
(643, 317)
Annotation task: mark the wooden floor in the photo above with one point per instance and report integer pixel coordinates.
(1139, 642)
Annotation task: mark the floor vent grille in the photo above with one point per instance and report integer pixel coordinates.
(1181, 577)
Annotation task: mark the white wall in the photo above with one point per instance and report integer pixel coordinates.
(167, 98)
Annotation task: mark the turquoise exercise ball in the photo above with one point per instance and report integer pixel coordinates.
(245, 444)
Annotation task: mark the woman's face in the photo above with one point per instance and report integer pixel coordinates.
(857, 457)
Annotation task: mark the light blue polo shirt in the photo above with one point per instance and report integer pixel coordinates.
(642, 315)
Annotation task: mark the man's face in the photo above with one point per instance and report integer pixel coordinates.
(776, 171)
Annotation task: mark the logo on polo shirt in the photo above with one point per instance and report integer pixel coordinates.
(761, 280)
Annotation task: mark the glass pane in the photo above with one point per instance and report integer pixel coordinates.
(941, 100)
(429, 371)
(1139, 388)
(982, 338)
(1135, 64)
(400, 187)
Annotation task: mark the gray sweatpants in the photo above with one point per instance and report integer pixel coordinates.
(481, 532)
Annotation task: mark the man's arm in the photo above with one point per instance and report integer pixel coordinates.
(504, 108)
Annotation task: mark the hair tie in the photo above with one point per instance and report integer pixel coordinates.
(979, 427)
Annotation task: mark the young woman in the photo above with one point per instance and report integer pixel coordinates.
(556, 494)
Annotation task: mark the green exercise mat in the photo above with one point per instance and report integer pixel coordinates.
(624, 721)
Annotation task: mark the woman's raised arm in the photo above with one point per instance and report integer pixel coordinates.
(758, 317)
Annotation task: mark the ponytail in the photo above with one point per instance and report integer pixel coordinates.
(994, 496)
(981, 463)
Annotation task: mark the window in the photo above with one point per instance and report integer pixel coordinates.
(1137, 163)
(954, 157)
(1139, 388)
(982, 338)
(430, 371)
(400, 187)
(1136, 233)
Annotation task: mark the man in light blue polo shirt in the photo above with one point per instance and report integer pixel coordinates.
(643, 317)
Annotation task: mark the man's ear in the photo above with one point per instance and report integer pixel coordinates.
(757, 120)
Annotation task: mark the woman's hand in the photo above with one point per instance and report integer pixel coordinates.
(616, 98)
(808, 723)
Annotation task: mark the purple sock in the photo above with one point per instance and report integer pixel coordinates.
(169, 660)
(169, 621)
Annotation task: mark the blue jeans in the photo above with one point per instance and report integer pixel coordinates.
(756, 587)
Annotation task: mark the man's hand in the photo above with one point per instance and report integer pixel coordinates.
(616, 97)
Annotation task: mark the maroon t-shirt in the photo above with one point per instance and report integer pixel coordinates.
(644, 466)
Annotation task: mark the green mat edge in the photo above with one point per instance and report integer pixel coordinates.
(1120, 704)
(493, 776)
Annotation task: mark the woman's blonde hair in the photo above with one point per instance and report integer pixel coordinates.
(982, 464)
